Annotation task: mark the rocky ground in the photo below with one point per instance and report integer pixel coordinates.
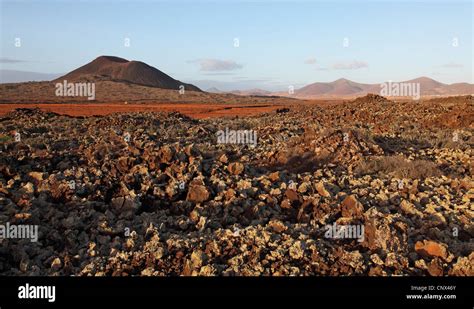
(155, 194)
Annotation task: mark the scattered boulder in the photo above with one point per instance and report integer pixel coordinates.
(322, 190)
(235, 168)
(197, 193)
(430, 249)
(351, 207)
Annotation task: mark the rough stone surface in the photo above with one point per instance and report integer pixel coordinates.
(170, 200)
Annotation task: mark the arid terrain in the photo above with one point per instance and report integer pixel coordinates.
(144, 192)
(113, 96)
(191, 110)
(179, 151)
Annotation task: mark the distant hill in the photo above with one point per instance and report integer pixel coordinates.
(213, 90)
(341, 86)
(344, 87)
(254, 92)
(14, 76)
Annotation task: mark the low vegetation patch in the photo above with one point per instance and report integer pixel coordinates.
(399, 167)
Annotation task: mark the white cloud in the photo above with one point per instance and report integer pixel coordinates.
(354, 65)
(10, 60)
(216, 65)
(452, 65)
(311, 60)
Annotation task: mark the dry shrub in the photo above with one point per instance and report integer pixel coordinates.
(391, 145)
(445, 139)
(399, 167)
(422, 139)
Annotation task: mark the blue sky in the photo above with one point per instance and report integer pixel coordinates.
(281, 43)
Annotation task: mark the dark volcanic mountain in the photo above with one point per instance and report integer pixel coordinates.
(122, 70)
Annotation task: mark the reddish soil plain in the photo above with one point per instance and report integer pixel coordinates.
(192, 110)
(114, 97)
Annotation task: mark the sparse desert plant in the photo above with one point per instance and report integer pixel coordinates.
(457, 139)
(401, 143)
(5, 138)
(399, 167)
(420, 139)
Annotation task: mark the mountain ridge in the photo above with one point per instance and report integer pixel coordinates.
(345, 87)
